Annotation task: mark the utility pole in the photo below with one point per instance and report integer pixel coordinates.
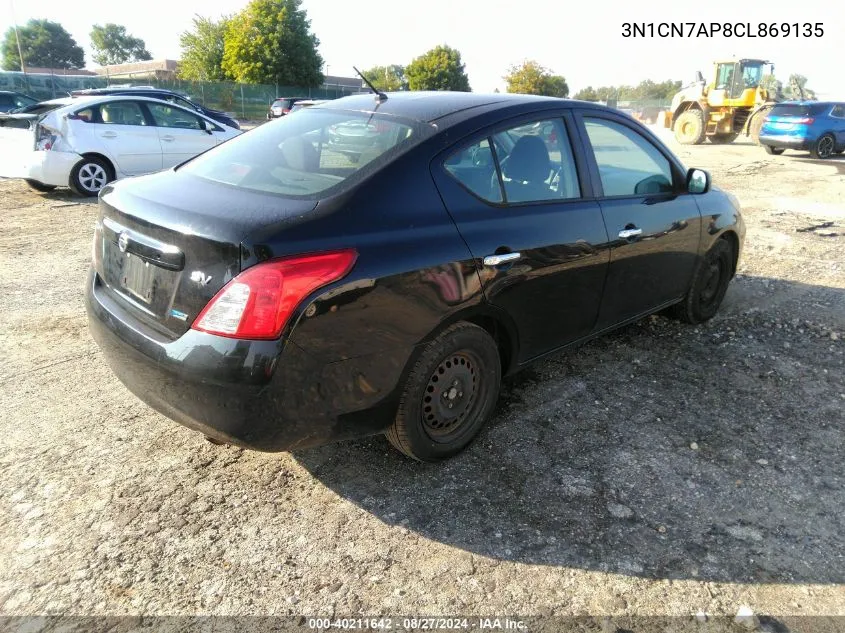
(18, 39)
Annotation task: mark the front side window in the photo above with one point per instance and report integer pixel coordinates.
(314, 152)
(122, 113)
(535, 162)
(629, 165)
(169, 116)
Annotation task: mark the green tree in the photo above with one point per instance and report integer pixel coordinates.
(270, 41)
(438, 69)
(113, 45)
(202, 50)
(531, 78)
(587, 94)
(43, 44)
(387, 78)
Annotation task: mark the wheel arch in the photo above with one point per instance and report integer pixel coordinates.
(730, 236)
(108, 161)
(684, 107)
(497, 323)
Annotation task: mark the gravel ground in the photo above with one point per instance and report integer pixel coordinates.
(664, 469)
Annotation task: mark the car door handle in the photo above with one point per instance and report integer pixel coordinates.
(498, 260)
(627, 234)
(168, 138)
(109, 135)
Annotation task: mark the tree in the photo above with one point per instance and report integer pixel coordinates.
(587, 94)
(113, 45)
(531, 78)
(44, 44)
(202, 50)
(270, 41)
(387, 78)
(438, 69)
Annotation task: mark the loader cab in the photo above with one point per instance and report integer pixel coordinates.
(736, 82)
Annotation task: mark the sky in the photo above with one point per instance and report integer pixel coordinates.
(583, 41)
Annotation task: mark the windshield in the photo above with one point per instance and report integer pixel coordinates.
(315, 153)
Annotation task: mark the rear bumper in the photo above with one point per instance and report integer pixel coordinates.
(262, 395)
(49, 168)
(792, 142)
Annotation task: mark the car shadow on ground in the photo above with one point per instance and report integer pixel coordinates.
(662, 450)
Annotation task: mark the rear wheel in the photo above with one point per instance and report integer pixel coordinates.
(777, 151)
(689, 128)
(723, 139)
(39, 186)
(89, 176)
(449, 394)
(709, 285)
(823, 148)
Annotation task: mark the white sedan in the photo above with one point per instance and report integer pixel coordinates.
(85, 143)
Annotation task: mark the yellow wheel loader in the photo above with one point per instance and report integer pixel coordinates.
(733, 103)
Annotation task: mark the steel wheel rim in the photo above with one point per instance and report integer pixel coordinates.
(825, 146)
(92, 177)
(451, 396)
(712, 283)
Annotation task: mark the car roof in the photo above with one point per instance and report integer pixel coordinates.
(93, 99)
(428, 107)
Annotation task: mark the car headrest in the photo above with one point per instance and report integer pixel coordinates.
(529, 160)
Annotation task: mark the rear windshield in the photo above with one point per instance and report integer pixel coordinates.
(310, 155)
(792, 109)
(38, 108)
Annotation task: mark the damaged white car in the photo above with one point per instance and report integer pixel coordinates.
(85, 143)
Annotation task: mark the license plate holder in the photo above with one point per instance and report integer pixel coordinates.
(137, 278)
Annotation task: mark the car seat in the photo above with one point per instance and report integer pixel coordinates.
(526, 170)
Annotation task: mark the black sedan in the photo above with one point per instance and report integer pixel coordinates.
(274, 293)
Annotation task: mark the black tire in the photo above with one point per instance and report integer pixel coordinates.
(823, 147)
(90, 175)
(757, 125)
(722, 139)
(777, 151)
(689, 128)
(709, 285)
(39, 186)
(433, 421)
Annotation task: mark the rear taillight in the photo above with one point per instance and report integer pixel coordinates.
(285, 110)
(259, 302)
(44, 139)
(805, 121)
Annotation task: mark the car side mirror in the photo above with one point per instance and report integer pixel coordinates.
(698, 181)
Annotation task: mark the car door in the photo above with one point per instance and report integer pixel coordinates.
(183, 134)
(520, 199)
(653, 223)
(837, 117)
(120, 130)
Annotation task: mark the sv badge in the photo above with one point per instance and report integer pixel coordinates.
(200, 277)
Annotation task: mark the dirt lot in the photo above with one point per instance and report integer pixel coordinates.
(665, 469)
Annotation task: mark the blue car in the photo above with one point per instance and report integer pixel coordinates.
(817, 127)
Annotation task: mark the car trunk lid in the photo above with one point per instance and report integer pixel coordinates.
(165, 244)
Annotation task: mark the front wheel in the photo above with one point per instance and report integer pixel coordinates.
(709, 285)
(689, 128)
(449, 394)
(776, 151)
(89, 176)
(823, 148)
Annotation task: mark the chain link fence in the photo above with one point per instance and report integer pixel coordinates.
(244, 101)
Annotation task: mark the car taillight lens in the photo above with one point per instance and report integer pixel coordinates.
(805, 121)
(285, 110)
(44, 139)
(258, 303)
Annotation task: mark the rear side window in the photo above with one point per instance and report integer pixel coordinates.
(628, 164)
(122, 113)
(534, 160)
(312, 153)
(838, 111)
(792, 109)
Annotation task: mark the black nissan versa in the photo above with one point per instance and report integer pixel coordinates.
(276, 293)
